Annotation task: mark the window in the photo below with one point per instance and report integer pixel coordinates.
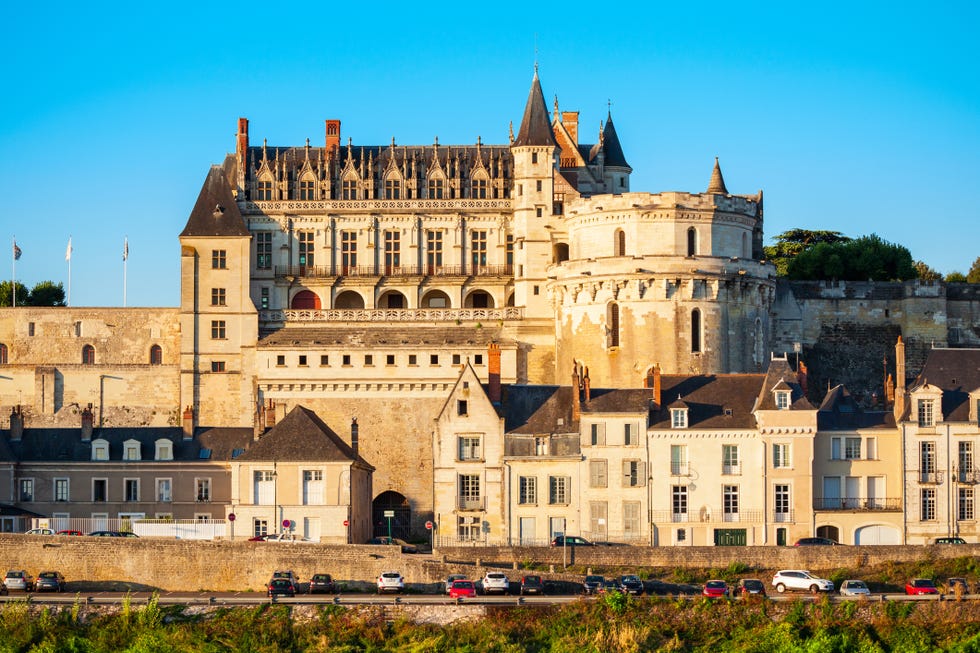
(100, 490)
(302, 360)
(217, 329)
(538, 185)
(478, 359)
(509, 250)
(348, 251)
(852, 448)
(433, 359)
(965, 462)
(927, 461)
(263, 250)
(927, 504)
(345, 360)
(88, 355)
(218, 297)
(264, 190)
(164, 449)
(780, 455)
(392, 251)
(30, 329)
(436, 186)
(280, 360)
(468, 528)
(324, 360)
(598, 473)
(729, 460)
(695, 331)
(782, 400)
(413, 359)
(871, 448)
(469, 492)
(26, 492)
(597, 434)
(478, 249)
(78, 329)
(433, 251)
(202, 489)
(131, 450)
(260, 527)
(3, 354)
(631, 519)
(313, 487)
(219, 259)
(925, 412)
(534, 159)
(61, 489)
(461, 407)
(678, 418)
(306, 189)
(264, 486)
(264, 300)
(558, 490)
(678, 459)
(541, 446)
(469, 447)
(630, 435)
(131, 489)
(730, 502)
(619, 243)
(306, 254)
(612, 339)
(964, 504)
(100, 449)
(527, 490)
(389, 360)
(479, 188)
(368, 360)
(678, 499)
(783, 511)
(598, 513)
(692, 241)
(634, 473)
(392, 189)
(163, 490)
(156, 355)
(349, 189)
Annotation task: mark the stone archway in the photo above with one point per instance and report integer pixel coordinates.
(349, 299)
(305, 300)
(401, 521)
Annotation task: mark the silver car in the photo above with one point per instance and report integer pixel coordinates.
(854, 588)
(19, 580)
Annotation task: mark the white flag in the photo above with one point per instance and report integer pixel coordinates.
(68, 251)
(125, 248)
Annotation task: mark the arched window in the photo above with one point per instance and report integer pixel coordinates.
(692, 241)
(3, 354)
(88, 355)
(696, 330)
(613, 328)
(620, 245)
(393, 187)
(264, 190)
(156, 355)
(479, 186)
(349, 187)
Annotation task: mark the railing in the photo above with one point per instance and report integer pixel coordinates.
(471, 503)
(707, 516)
(784, 517)
(263, 206)
(930, 478)
(967, 476)
(857, 503)
(326, 271)
(394, 315)
(731, 470)
(680, 469)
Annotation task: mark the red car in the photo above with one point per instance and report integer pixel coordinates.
(70, 532)
(918, 586)
(462, 589)
(715, 589)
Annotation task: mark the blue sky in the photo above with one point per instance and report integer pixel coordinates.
(860, 117)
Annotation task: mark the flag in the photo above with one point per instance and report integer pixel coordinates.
(125, 248)
(16, 251)
(68, 251)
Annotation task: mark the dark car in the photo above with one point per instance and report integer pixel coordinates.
(592, 584)
(949, 540)
(322, 584)
(532, 585)
(112, 534)
(49, 581)
(281, 587)
(816, 541)
(394, 541)
(750, 587)
(631, 584)
(570, 540)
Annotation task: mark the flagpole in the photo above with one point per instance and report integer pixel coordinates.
(125, 263)
(13, 274)
(68, 257)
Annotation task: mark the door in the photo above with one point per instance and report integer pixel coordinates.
(852, 492)
(831, 493)
(731, 537)
(528, 531)
(311, 528)
(876, 492)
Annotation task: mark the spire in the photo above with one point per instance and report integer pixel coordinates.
(535, 125)
(717, 184)
(611, 146)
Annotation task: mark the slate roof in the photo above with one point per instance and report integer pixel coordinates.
(611, 145)
(713, 402)
(536, 123)
(781, 375)
(301, 436)
(957, 373)
(537, 409)
(839, 412)
(65, 444)
(393, 335)
(216, 211)
(627, 400)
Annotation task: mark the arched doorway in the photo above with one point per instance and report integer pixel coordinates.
(560, 253)
(392, 299)
(436, 299)
(830, 532)
(349, 299)
(478, 299)
(401, 520)
(305, 300)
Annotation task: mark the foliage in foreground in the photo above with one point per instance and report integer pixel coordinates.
(613, 623)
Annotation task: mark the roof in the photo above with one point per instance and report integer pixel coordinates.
(840, 412)
(393, 335)
(723, 401)
(781, 376)
(301, 436)
(957, 373)
(536, 123)
(611, 147)
(717, 184)
(532, 409)
(216, 211)
(628, 400)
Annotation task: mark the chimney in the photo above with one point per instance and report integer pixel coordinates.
(576, 407)
(333, 135)
(188, 423)
(353, 434)
(655, 384)
(587, 384)
(270, 414)
(87, 420)
(242, 139)
(493, 356)
(899, 379)
(16, 424)
(569, 119)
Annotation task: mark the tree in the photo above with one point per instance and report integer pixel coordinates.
(790, 243)
(22, 293)
(47, 293)
(926, 273)
(955, 277)
(973, 276)
(863, 259)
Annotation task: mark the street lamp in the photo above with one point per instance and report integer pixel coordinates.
(275, 496)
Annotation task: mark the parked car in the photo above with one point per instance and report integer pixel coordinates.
(288, 538)
(112, 534)
(949, 540)
(592, 584)
(800, 580)
(750, 587)
(631, 584)
(39, 531)
(70, 532)
(322, 584)
(954, 585)
(49, 580)
(462, 589)
(390, 581)
(531, 584)
(384, 539)
(921, 586)
(570, 540)
(495, 582)
(854, 588)
(18, 579)
(611, 585)
(715, 589)
(816, 541)
(288, 576)
(258, 538)
(281, 587)
(452, 579)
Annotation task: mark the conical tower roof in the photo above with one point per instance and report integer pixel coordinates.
(536, 123)
(611, 147)
(717, 184)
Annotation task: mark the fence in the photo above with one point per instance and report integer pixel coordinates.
(180, 529)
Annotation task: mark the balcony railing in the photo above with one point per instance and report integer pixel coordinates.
(783, 517)
(966, 476)
(857, 504)
(708, 515)
(471, 503)
(327, 271)
(731, 470)
(455, 315)
(930, 478)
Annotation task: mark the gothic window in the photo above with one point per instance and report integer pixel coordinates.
(88, 355)
(612, 330)
(307, 188)
(349, 189)
(478, 250)
(305, 247)
(393, 187)
(696, 331)
(479, 188)
(348, 251)
(264, 190)
(263, 250)
(436, 188)
(620, 244)
(692, 241)
(156, 355)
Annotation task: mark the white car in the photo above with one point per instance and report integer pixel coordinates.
(496, 583)
(854, 588)
(289, 538)
(800, 580)
(39, 531)
(390, 581)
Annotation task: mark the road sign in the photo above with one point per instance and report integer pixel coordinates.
(231, 517)
(286, 523)
(346, 522)
(428, 525)
(389, 513)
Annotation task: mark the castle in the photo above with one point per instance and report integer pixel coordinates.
(357, 281)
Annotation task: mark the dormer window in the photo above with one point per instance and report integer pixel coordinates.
(164, 450)
(100, 449)
(678, 418)
(782, 399)
(131, 450)
(925, 412)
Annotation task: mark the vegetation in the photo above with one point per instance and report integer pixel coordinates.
(44, 293)
(790, 244)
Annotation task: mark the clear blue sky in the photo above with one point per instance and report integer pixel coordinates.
(858, 117)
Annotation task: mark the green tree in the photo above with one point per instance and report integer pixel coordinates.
(862, 259)
(973, 276)
(47, 293)
(926, 273)
(5, 296)
(790, 243)
(955, 277)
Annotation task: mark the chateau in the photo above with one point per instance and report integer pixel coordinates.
(358, 297)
